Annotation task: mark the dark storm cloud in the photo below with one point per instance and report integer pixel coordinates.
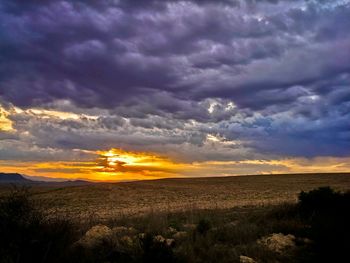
(161, 64)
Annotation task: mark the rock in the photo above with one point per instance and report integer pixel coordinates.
(232, 224)
(172, 230)
(119, 229)
(95, 236)
(167, 241)
(189, 226)
(278, 242)
(122, 230)
(159, 239)
(127, 240)
(245, 259)
(180, 235)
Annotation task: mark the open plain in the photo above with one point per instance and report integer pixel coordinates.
(113, 200)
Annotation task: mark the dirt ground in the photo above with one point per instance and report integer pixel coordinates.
(106, 200)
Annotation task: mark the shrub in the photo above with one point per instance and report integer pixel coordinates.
(26, 235)
(328, 213)
(155, 251)
(318, 200)
(204, 225)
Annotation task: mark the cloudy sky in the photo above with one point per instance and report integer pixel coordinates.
(136, 89)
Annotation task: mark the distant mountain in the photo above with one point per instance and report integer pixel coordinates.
(13, 178)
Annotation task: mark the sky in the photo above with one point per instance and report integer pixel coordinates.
(124, 90)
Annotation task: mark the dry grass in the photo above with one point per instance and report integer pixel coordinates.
(107, 200)
(315, 229)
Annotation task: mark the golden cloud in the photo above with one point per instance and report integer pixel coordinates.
(141, 163)
(120, 165)
(5, 123)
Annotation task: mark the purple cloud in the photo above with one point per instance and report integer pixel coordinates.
(273, 75)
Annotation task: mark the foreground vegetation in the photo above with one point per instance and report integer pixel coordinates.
(315, 229)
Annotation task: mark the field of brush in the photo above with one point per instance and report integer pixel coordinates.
(247, 219)
(111, 200)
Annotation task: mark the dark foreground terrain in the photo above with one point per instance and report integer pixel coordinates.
(272, 218)
(314, 229)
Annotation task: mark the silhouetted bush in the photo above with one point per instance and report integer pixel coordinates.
(328, 213)
(204, 225)
(26, 235)
(106, 251)
(319, 200)
(154, 251)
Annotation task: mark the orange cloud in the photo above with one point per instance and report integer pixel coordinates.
(120, 165)
(141, 163)
(112, 165)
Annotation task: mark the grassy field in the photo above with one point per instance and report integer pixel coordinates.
(117, 200)
(243, 219)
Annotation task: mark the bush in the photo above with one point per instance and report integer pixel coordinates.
(155, 251)
(328, 213)
(204, 225)
(318, 200)
(26, 235)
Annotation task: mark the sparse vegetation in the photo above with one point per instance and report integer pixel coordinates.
(108, 201)
(313, 230)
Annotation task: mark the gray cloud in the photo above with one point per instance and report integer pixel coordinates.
(270, 75)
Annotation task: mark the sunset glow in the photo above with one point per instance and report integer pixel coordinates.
(118, 165)
(136, 164)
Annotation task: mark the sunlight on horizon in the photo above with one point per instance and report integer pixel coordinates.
(120, 165)
(117, 164)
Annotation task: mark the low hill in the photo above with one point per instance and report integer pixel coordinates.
(13, 178)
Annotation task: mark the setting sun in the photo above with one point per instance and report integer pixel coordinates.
(135, 164)
(115, 157)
